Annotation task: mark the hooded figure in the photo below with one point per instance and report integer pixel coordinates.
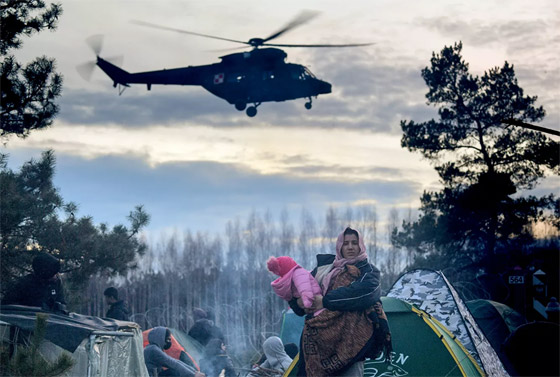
(42, 288)
(276, 356)
(216, 360)
(204, 329)
(294, 281)
(156, 359)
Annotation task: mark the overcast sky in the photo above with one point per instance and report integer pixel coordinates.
(195, 162)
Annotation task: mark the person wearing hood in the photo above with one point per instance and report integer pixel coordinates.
(204, 329)
(215, 360)
(42, 288)
(354, 325)
(118, 308)
(276, 356)
(156, 360)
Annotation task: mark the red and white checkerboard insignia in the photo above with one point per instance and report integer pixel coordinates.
(218, 78)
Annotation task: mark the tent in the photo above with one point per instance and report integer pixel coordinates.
(291, 327)
(497, 321)
(422, 346)
(99, 347)
(430, 291)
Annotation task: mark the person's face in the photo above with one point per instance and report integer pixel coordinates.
(110, 300)
(167, 342)
(350, 246)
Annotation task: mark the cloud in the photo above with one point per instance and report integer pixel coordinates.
(203, 195)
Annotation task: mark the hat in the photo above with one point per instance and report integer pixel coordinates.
(45, 266)
(199, 313)
(281, 265)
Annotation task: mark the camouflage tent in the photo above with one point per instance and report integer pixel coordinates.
(430, 291)
(422, 346)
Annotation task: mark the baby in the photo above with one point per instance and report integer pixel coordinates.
(294, 281)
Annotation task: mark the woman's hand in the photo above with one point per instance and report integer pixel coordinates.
(317, 303)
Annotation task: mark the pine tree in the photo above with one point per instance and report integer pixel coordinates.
(28, 93)
(27, 361)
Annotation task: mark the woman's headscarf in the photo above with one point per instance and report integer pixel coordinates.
(340, 261)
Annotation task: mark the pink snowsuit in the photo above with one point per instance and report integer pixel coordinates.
(297, 282)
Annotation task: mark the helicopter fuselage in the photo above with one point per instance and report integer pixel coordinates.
(253, 77)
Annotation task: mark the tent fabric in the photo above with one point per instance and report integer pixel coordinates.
(422, 346)
(191, 345)
(110, 356)
(292, 325)
(430, 291)
(66, 331)
(495, 319)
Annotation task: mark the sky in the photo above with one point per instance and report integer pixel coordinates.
(194, 162)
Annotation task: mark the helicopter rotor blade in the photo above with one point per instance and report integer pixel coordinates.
(318, 45)
(95, 42)
(300, 19)
(148, 24)
(86, 70)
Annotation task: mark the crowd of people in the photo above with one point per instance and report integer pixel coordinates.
(340, 299)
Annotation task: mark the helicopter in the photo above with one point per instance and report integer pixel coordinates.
(244, 79)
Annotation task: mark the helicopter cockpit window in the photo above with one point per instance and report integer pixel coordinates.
(308, 73)
(302, 74)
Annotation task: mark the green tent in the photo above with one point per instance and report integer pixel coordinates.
(191, 345)
(422, 346)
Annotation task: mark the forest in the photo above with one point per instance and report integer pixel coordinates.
(226, 274)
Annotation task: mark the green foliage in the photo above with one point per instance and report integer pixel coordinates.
(28, 93)
(481, 163)
(34, 218)
(27, 361)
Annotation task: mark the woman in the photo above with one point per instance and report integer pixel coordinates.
(353, 326)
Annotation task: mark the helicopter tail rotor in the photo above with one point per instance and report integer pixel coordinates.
(95, 42)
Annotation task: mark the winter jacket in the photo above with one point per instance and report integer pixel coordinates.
(276, 356)
(298, 282)
(119, 310)
(32, 290)
(359, 295)
(216, 360)
(156, 359)
(203, 330)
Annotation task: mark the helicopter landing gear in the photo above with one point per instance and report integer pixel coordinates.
(252, 110)
(240, 106)
(308, 104)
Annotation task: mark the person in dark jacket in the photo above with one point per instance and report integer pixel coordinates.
(118, 308)
(215, 360)
(156, 360)
(204, 329)
(351, 294)
(42, 288)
